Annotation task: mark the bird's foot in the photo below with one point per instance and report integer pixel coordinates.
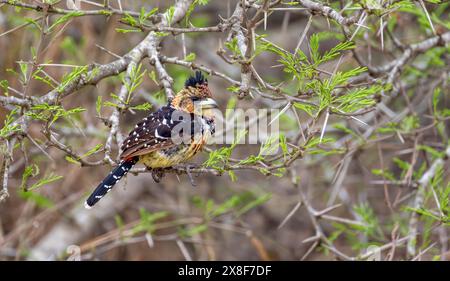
(157, 174)
(189, 174)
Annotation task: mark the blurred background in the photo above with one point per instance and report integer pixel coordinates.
(351, 197)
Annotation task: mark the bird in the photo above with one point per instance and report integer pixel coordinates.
(171, 135)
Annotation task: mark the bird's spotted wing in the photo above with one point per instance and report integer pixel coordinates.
(155, 132)
(152, 133)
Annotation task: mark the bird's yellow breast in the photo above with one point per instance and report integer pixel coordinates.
(175, 155)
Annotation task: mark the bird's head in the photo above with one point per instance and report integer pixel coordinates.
(195, 97)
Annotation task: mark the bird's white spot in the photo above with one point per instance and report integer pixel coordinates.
(136, 139)
(115, 177)
(98, 196)
(164, 121)
(86, 205)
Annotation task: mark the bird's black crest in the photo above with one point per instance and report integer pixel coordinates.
(198, 79)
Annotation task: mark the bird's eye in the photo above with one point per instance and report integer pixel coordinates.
(195, 98)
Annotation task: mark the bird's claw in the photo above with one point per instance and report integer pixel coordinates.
(157, 174)
(189, 174)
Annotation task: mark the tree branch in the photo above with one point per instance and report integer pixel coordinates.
(327, 12)
(419, 200)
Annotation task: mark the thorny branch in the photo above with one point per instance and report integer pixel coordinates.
(326, 11)
(54, 10)
(424, 181)
(4, 172)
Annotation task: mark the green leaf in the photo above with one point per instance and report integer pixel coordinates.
(65, 18)
(409, 123)
(143, 16)
(336, 50)
(201, 2)
(432, 151)
(191, 57)
(130, 20)
(324, 96)
(232, 175)
(161, 34)
(316, 141)
(218, 159)
(136, 76)
(169, 14)
(270, 146)
(51, 113)
(44, 78)
(233, 89)
(110, 104)
(30, 171)
(231, 104)
(34, 23)
(9, 128)
(367, 216)
(93, 150)
(283, 145)
(119, 223)
(147, 220)
(253, 204)
(144, 106)
(70, 159)
(436, 94)
(341, 78)
(98, 105)
(71, 77)
(24, 71)
(309, 109)
(70, 46)
(357, 99)
(152, 76)
(232, 45)
(40, 200)
(385, 174)
(45, 180)
(314, 47)
(123, 30)
(226, 206)
(4, 85)
(193, 230)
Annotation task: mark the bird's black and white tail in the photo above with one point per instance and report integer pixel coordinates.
(108, 183)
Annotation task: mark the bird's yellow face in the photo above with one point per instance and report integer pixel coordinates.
(195, 98)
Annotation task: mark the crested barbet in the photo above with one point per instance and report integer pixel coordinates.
(169, 136)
